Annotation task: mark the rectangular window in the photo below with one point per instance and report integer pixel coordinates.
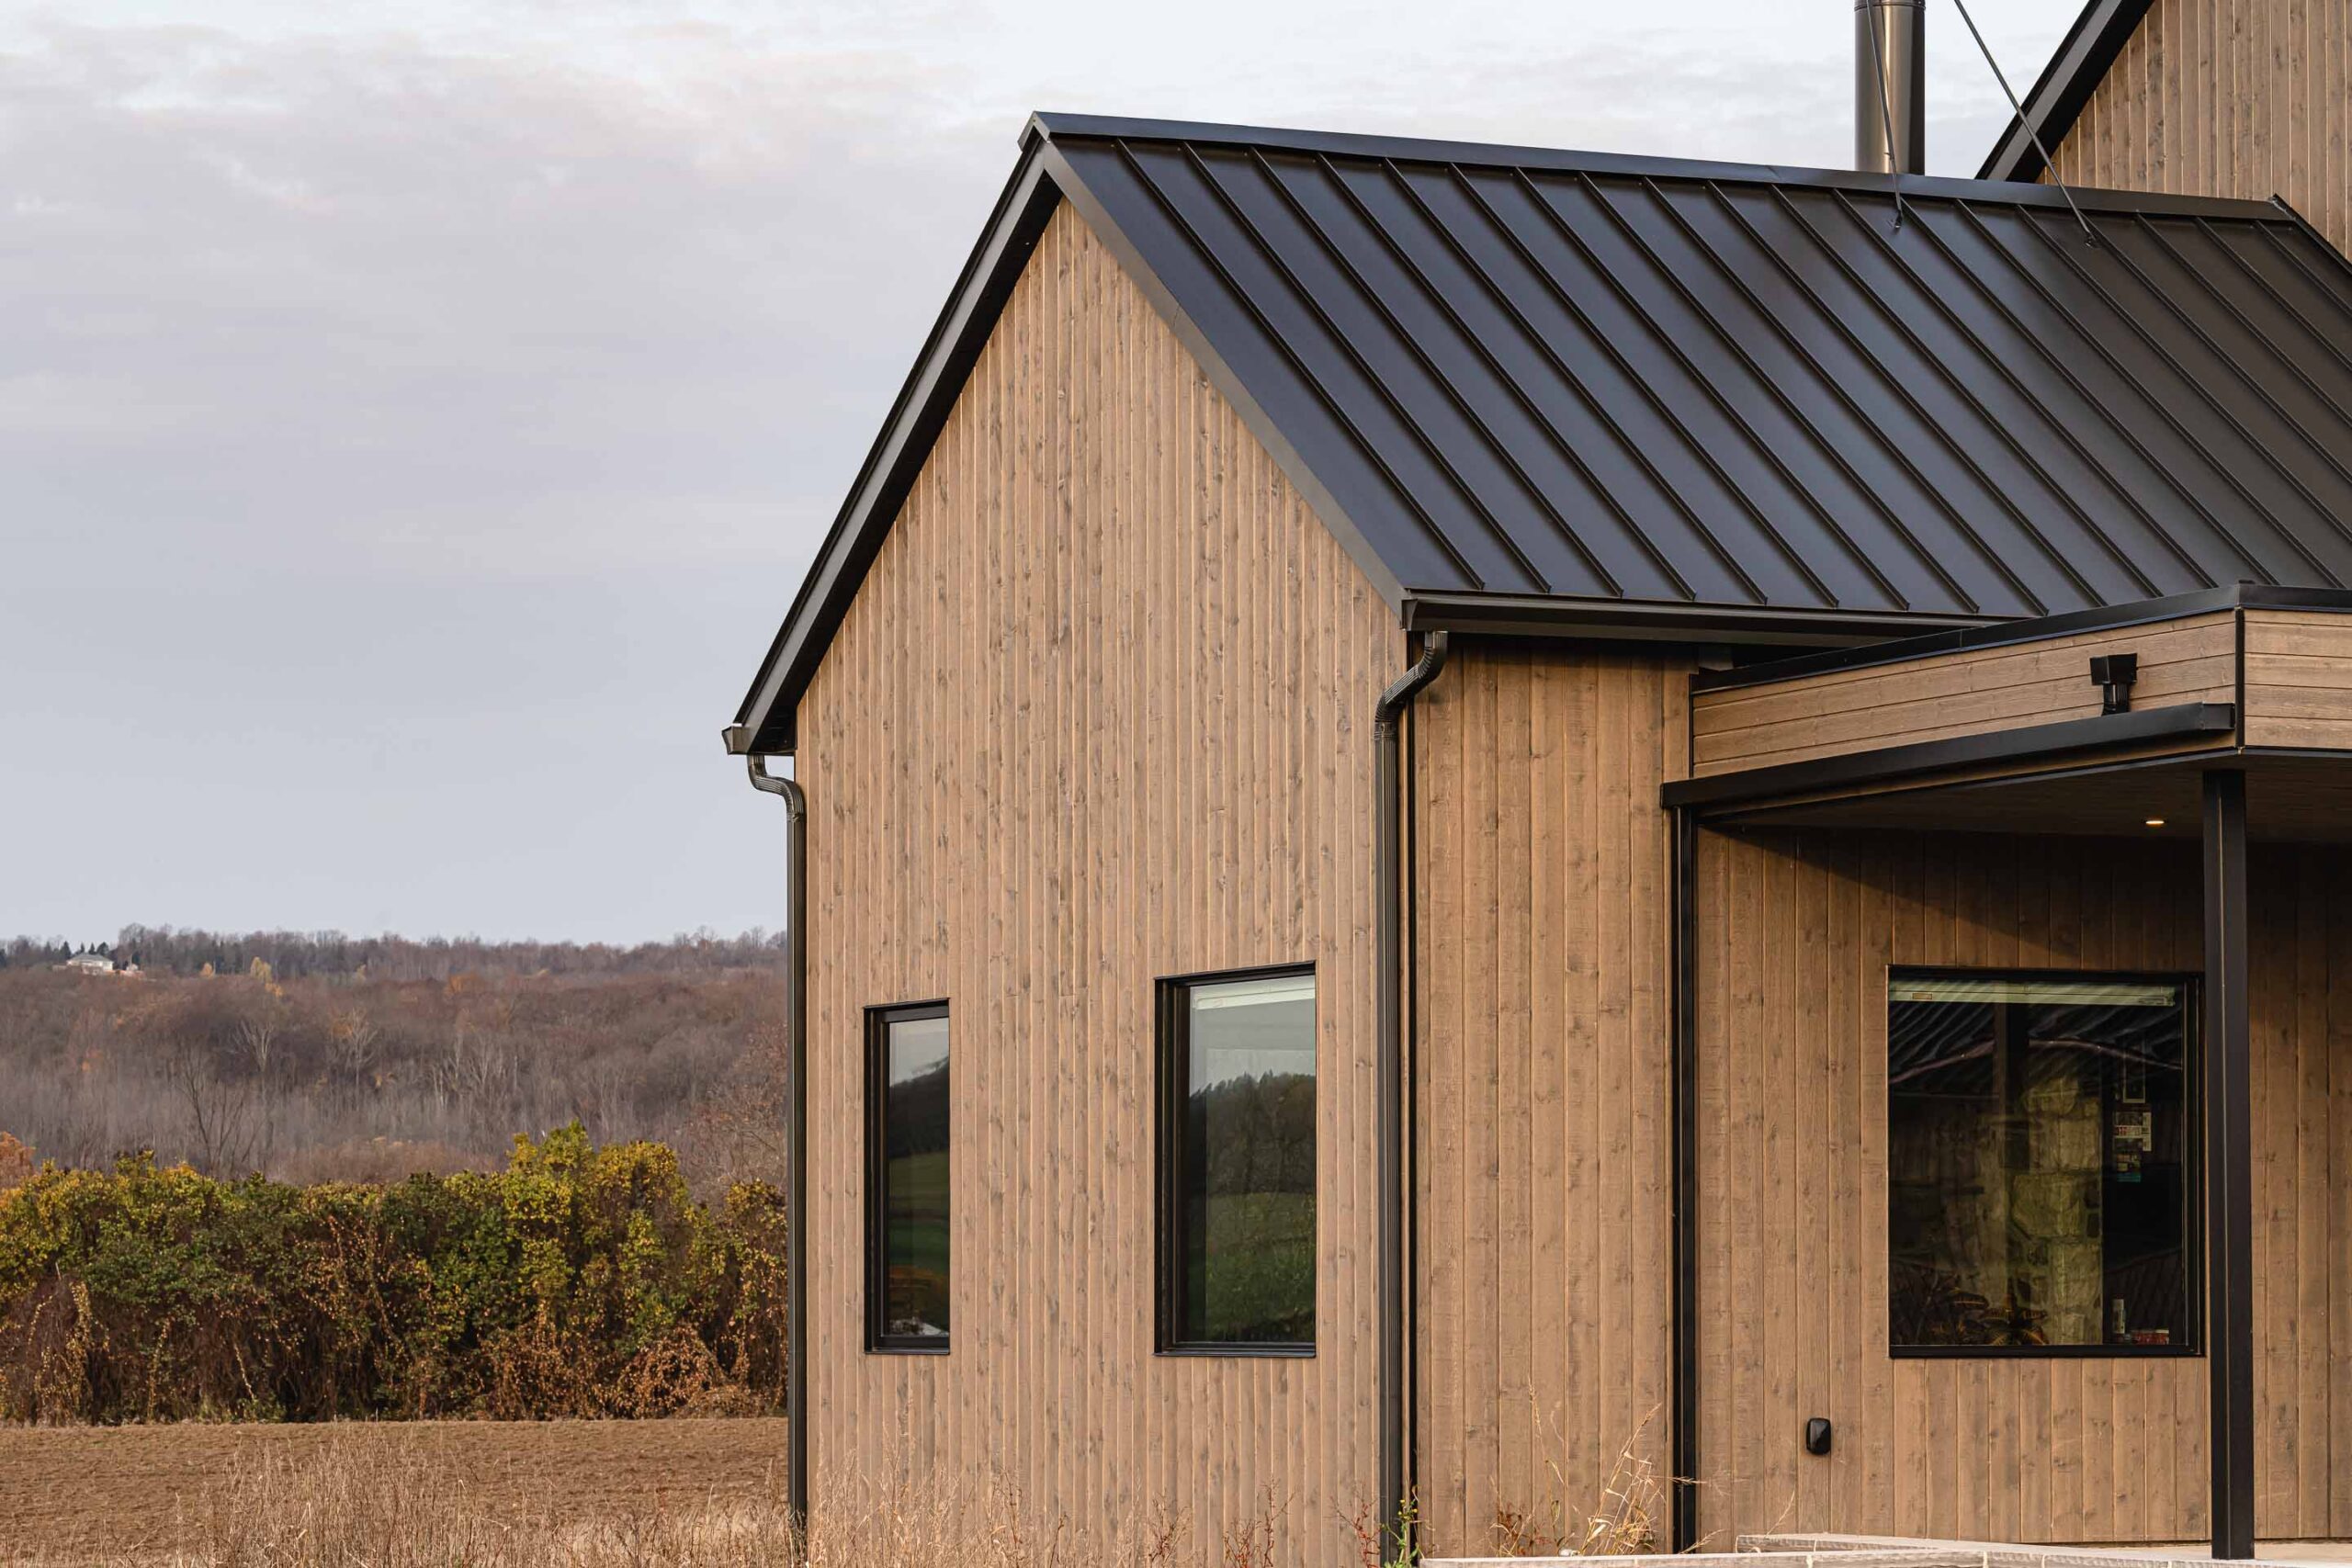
(1236, 1163)
(906, 1178)
(2041, 1160)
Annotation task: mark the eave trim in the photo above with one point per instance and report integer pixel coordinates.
(1889, 764)
(769, 709)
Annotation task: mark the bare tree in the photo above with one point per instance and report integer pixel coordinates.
(216, 1109)
(352, 1040)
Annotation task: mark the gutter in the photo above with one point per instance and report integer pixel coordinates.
(1393, 1300)
(796, 1114)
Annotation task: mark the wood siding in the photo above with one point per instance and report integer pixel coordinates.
(2298, 678)
(2227, 97)
(1952, 694)
(1542, 887)
(1797, 931)
(1101, 714)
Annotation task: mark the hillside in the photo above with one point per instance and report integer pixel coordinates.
(319, 1057)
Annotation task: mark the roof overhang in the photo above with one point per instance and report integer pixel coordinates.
(2006, 729)
(2066, 84)
(764, 723)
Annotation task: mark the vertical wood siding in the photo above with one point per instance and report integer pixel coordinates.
(1796, 935)
(1100, 714)
(1542, 933)
(2227, 97)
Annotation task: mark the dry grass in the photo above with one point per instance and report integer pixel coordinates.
(1623, 1520)
(369, 1498)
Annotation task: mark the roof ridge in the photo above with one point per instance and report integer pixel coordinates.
(1054, 125)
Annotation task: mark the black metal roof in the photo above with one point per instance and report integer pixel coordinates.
(1541, 390)
(2074, 73)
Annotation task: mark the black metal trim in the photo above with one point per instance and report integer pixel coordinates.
(2192, 1066)
(2229, 1163)
(2042, 1352)
(1514, 615)
(1171, 1047)
(1888, 764)
(1684, 1046)
(2002, 634)
(2066, 85)
(1478, 154)
(916, 416)
(877, 1264)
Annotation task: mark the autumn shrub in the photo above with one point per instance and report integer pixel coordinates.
(577, 1282)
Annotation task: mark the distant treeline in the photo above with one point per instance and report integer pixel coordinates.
(347, 1076)
(577, 1282)
(294, 955)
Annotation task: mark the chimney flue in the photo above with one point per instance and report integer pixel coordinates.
(1891, 86)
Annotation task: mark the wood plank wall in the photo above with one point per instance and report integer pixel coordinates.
(2227, 97)
(1542, 933)
(1971, 692)
(1796, 934)
(2298, 678)
(1102, 713)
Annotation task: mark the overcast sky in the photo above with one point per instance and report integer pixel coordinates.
(415, 415)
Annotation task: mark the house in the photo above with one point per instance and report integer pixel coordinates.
(2198, 96)
(1453, 806)
(88, 964)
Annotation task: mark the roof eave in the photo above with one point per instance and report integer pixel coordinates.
(765, 723)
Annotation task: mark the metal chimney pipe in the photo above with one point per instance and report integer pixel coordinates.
(1891, 85)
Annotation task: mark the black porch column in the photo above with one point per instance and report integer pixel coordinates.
(2229, 1167)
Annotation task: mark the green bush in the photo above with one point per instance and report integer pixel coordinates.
(577, 1282)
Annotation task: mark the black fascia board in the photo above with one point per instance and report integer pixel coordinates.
(1480, 155)
(1680, 621)
(768, 713)
(2066, 83)
(1890, 764)
(1999, 634)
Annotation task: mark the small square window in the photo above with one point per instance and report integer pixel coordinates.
(2042, 1164)
(907, 1186)
(1236, 1163)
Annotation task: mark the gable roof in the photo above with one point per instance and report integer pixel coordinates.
(2067, 83)
(1566, 392)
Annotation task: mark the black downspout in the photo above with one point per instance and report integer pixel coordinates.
(795, 1115)
(1683, 1047)
(1388, 891)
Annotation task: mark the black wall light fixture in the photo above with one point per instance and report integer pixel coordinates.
(1817, 1435)
(2114, 674)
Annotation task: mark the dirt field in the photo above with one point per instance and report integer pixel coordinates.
(132, 1494)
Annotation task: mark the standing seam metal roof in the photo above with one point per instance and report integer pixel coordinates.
(1511, 377)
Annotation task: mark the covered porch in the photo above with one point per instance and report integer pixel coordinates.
(2095, 813)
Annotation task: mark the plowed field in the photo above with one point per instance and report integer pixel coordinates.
(136, 1493)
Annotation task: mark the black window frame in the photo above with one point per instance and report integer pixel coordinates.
(1173, 1048)
(2192, 1051)
(878, 1019)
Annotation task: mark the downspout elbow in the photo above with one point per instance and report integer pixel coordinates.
(1405, 687)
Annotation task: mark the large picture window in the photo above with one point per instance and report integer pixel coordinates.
(1237, 1173)
(906, 1178)
(2040, 1164)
